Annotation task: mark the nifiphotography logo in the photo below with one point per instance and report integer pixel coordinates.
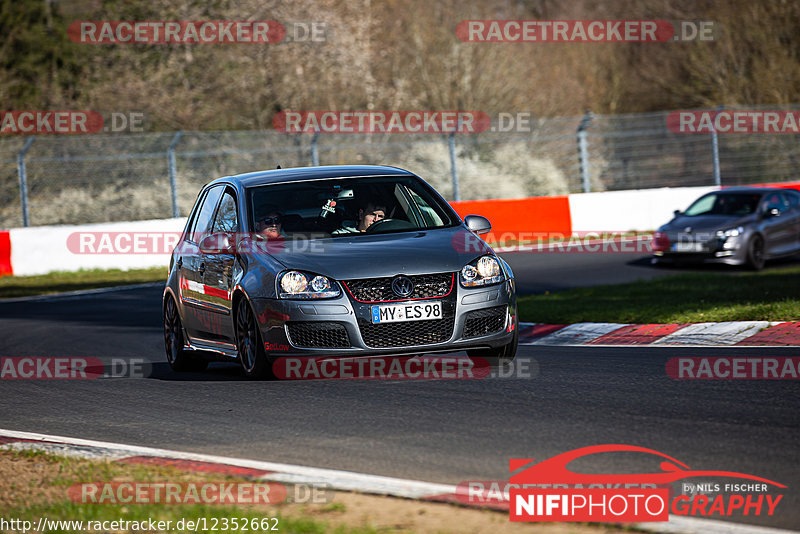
(549, 491)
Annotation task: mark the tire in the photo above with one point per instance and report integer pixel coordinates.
(177, 356)
(501, 356)
(755, 253)
(249, 347)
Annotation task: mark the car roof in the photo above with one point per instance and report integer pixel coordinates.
(756, 190)
(311, 173)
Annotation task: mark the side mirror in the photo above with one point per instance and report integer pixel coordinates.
(476, 223)
(774, 212)
(219, 243)
(676, 213)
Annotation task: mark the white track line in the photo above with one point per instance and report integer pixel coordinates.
(370, 483)
(348, 480)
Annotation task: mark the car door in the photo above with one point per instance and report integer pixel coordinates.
(778, 225)
(190, 265)
(793, 213)
(218, 272)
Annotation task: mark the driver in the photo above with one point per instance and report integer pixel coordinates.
(367, 216)
(271, 226)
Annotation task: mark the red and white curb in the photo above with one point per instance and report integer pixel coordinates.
(298, 474)
(740, 333)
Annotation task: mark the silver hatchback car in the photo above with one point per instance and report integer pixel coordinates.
(334, 261)
(737, 226)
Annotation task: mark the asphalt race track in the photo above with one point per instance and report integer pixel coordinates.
(438, 430)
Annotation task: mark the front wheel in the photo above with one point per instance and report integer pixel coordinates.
(755, 253)
(501, 356)
(178, 357)
(252, 357)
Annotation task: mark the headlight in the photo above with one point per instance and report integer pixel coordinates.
(300, 285)
(482, 272)
(733, 232)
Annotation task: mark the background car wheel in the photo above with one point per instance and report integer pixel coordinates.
(179, 358)
(252, 357)
(755, 253)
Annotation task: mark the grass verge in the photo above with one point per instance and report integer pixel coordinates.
(36, 485)
(59, 282)
(772, 295)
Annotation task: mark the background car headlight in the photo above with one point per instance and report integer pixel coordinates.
(732, 232)
(481, 272)
(300, 285)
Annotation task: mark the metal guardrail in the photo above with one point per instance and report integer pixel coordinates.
(102, 178)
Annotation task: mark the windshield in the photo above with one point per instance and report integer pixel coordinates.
(347, 207)
(739, 204)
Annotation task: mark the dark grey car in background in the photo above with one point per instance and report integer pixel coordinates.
(737, 226)
(419, 281)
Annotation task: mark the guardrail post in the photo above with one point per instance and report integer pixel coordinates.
(23, 180)
(173, 181)
(583, 152)
(715, 152)
(314, 150)
(451, 142)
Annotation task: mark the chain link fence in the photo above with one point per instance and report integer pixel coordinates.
(102, 178)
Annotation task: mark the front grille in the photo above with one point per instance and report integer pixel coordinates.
(407, 333)
(380, 289)
(318, 335)
(484, 322)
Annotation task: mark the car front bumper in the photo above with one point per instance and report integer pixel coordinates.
(473, 318)
(731, 251)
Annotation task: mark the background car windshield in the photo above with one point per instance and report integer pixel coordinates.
(739, 204)
(331, 208)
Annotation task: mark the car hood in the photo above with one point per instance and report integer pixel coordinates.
(367, 256)
(706, 223)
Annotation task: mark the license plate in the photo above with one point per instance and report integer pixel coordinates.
(395, 313)
(688, 247)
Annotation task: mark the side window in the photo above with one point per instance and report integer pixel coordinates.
(776, 201)
(701, 205)
(226, 220)
(794, 200)
(205, 214)
(428, 213)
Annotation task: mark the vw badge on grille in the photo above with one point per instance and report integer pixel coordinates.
(402, 286)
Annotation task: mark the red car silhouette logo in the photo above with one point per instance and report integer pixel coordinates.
(554, 470)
